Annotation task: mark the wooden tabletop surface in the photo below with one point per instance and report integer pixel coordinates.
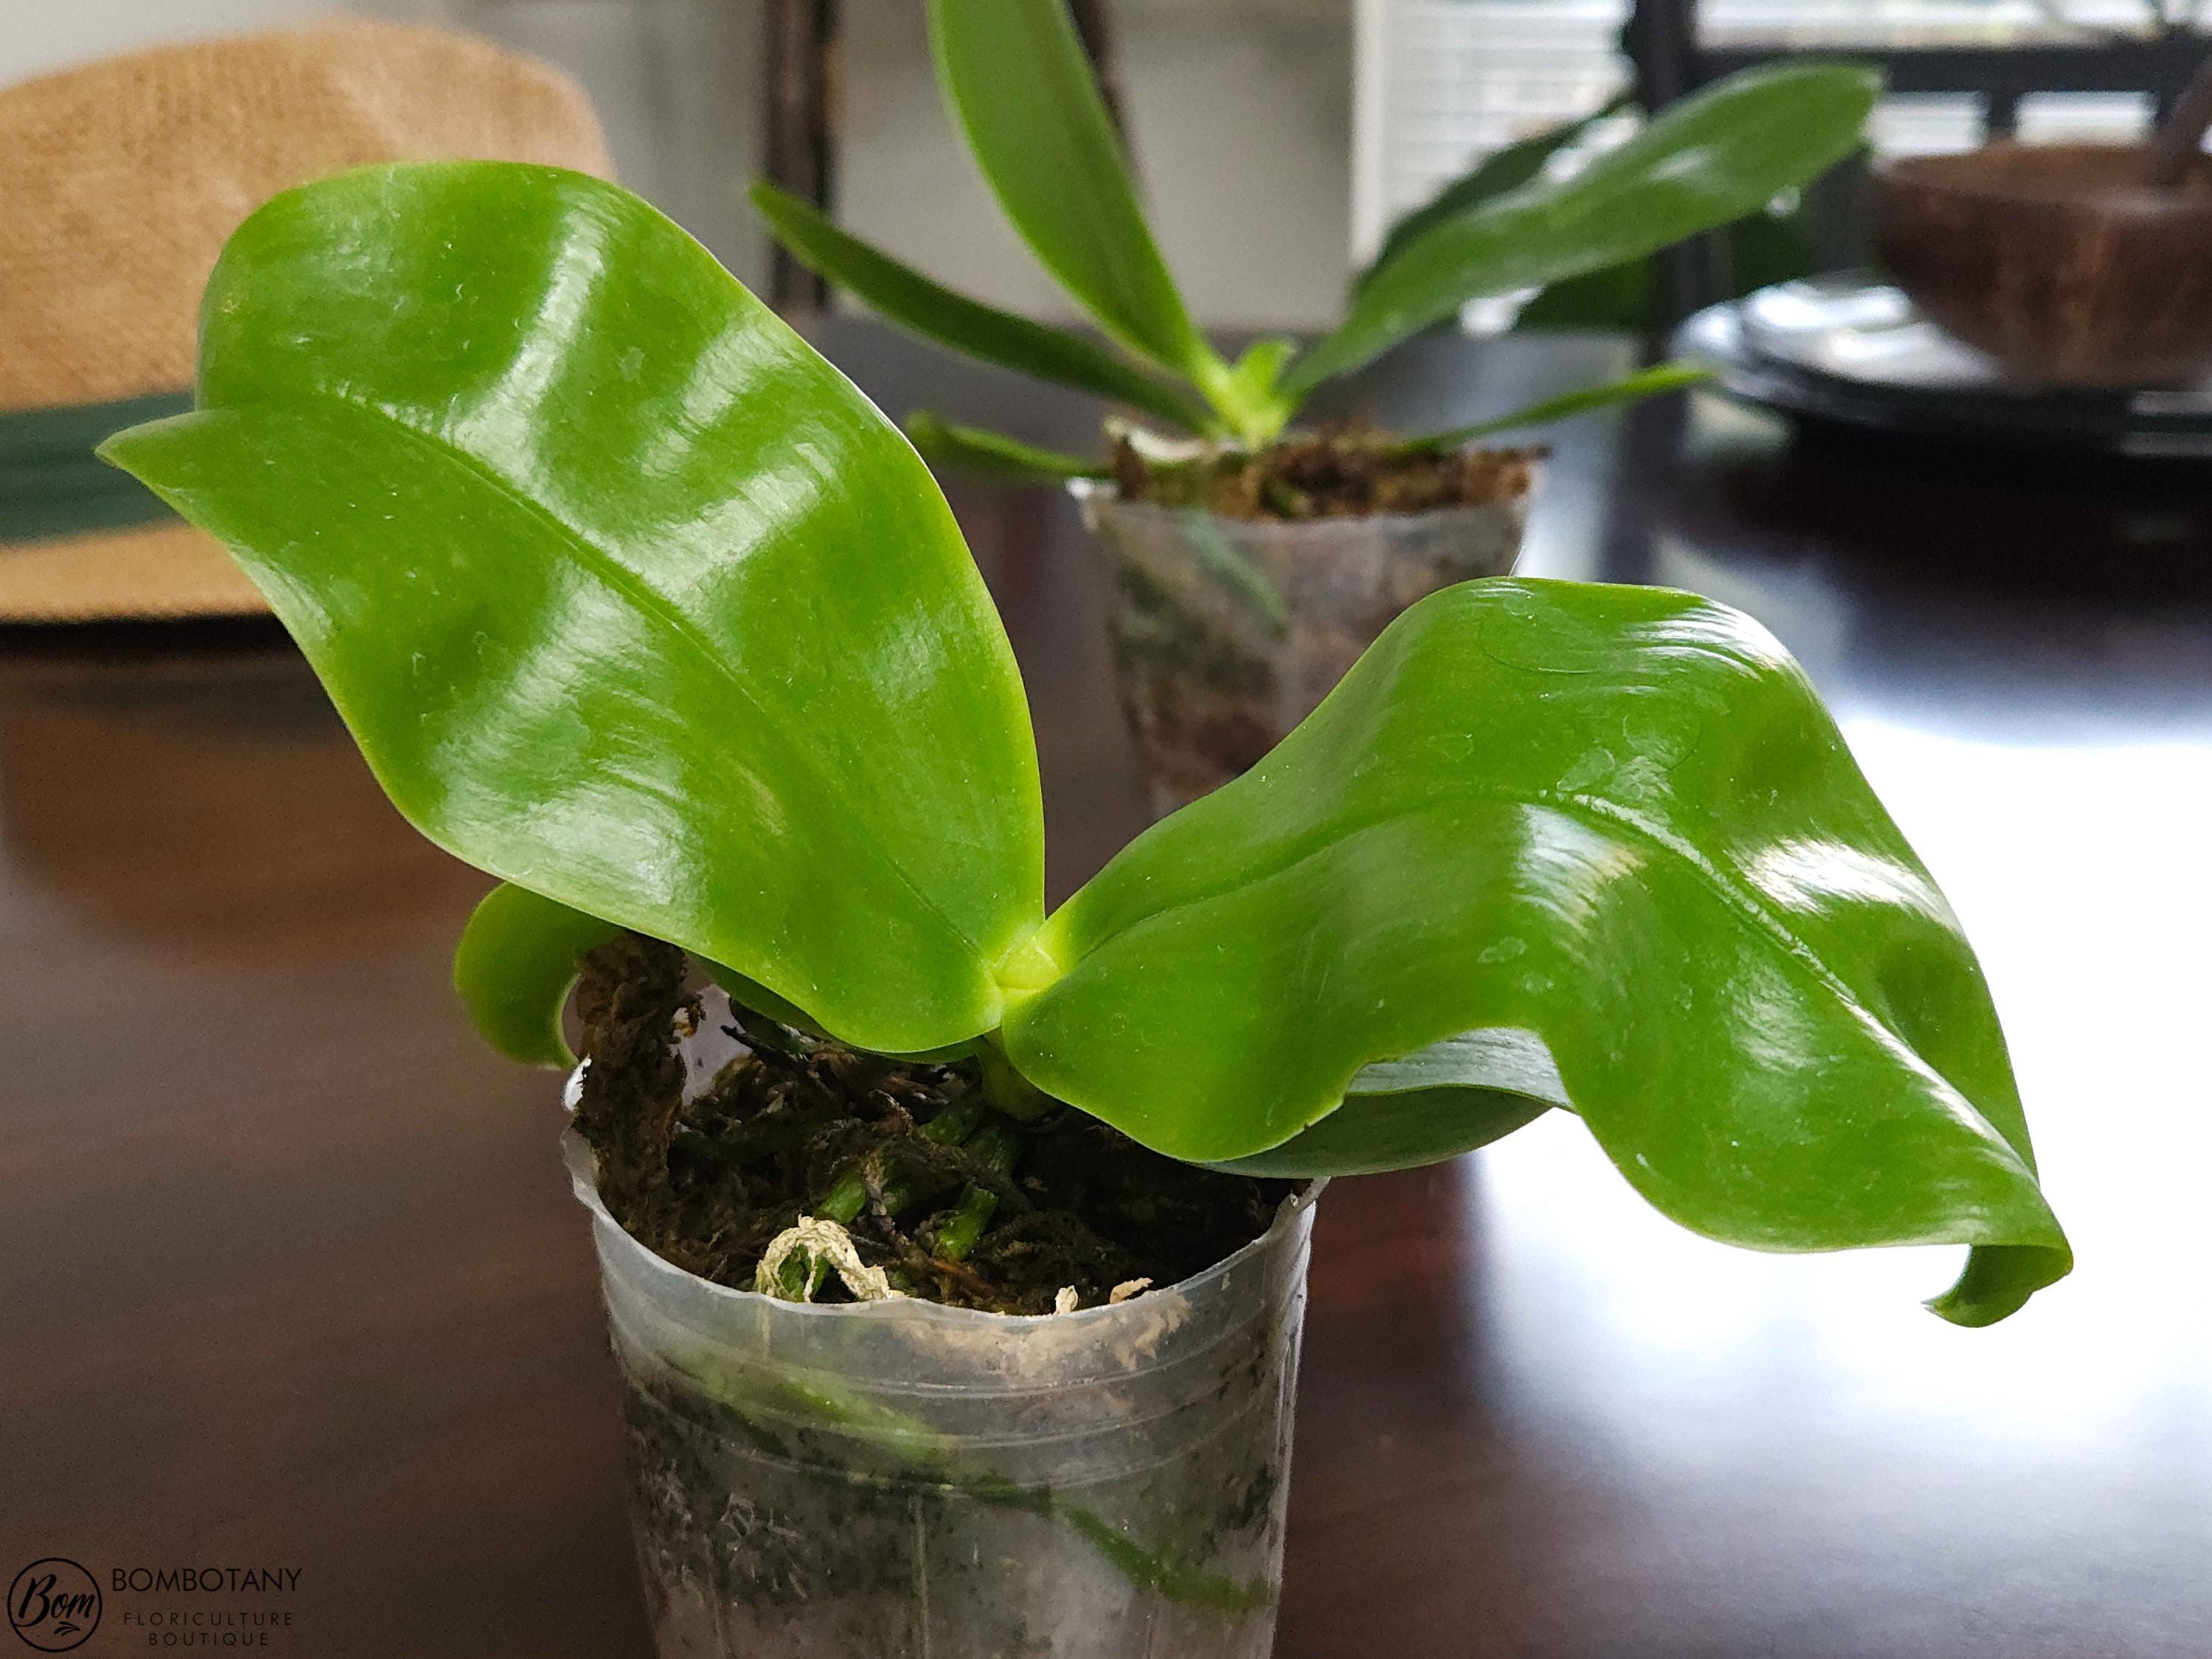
(292, 1278)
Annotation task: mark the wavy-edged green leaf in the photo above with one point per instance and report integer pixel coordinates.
(1014, 74)
(1369, 1134)
(1450, 1097)
(904, 295)
(630, 597)
(518, 960)
(1615, 817)
(1504, 169)
(993, 454)
(1644, 383)
(1711, 158)
(1511, 1062)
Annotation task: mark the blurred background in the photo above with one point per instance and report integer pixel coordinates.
(1300, 127)
(1244, 106)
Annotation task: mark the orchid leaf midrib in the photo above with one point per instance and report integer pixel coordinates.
(651, 601)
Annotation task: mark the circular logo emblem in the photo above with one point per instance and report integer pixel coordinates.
(53, 1605)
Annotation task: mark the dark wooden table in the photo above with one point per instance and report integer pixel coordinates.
(292, 1278)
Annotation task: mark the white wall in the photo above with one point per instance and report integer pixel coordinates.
(38, 35)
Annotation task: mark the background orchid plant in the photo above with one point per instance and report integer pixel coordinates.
(633, 601)
(1014, 74)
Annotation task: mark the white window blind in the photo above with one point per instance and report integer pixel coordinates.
(1439, 83)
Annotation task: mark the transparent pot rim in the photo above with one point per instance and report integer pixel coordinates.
(583, 1172)
(1094, 495)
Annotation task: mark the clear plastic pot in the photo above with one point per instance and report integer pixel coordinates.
(897, 1479)
(1227, 632)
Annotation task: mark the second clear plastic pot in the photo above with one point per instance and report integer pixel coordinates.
(900, 1480)
(1227, 632)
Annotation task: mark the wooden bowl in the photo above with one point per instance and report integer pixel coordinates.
(2056, 259)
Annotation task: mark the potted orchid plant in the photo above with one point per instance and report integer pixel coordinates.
(953, 1250)
(1253, 558)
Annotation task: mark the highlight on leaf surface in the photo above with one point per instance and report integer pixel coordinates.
(628, 596)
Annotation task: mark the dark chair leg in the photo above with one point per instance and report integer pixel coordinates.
(801, 34)
(1661, 38)
(2000, 116)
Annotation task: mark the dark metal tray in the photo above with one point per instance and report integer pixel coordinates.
(1849, 348)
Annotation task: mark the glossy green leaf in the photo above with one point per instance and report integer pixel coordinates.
(907, 297)
(1014, 74)
(1644, 383)
(519, 959)
(1369, 1134)
(957, 448)
(1450, 1097)
(1617, 818)
(630, 597)
(1501, 170)
(1711, 159)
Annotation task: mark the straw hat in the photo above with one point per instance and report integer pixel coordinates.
(121, 182)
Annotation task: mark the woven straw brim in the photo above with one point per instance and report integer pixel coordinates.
(121, 181)
(164, 571)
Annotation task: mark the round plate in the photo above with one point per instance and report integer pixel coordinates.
(1851, 348)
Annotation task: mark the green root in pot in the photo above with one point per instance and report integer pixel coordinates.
(955, 1182)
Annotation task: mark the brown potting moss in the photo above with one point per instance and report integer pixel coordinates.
(799, 1126)
(1348, 472)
